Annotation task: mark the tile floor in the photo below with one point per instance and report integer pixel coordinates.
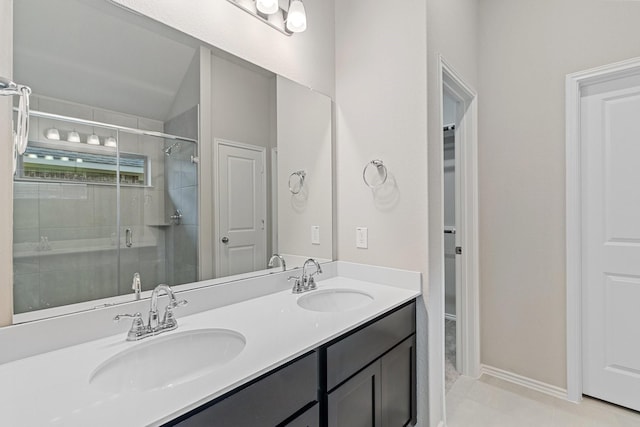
(450, 373)
(491, 402)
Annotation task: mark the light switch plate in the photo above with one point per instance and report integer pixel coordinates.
(315, 234)
(362, 238)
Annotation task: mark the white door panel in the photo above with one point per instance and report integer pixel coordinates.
(241, 210)
(611, 245)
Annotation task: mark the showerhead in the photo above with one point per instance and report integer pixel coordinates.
(168, 150)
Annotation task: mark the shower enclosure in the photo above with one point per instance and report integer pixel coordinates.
(98, 197)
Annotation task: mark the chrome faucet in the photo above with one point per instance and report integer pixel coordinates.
(306, 282)
(154, 326)
(136, 285)
(275, 257)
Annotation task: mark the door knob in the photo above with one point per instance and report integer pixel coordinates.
(225, 239)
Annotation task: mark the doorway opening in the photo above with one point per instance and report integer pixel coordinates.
(460, 303)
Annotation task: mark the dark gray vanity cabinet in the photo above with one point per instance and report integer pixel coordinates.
(371, 374)
(364, 378)
(310, 418)
(272, 400)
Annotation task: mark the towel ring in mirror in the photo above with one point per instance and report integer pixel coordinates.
(380, 168)
(296, 181)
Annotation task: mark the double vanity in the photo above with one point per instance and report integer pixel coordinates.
(262, 356)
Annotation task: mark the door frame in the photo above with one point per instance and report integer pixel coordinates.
(575, 85)
(216, 192)
(467, 299)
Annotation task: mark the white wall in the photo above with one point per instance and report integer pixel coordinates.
(306, 58)
(304, 143)
(527, 47)
(380, 113)
(6, 183)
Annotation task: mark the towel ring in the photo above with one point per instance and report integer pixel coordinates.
(299, 176)
(380, 167)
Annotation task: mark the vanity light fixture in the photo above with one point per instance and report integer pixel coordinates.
(53, 134)
(93, 139)
(286, 16)
(111, 142)
(73, 136)
(297, 17)
(267, 6)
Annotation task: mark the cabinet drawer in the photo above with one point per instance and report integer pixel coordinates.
(349, 355)
(267, 402)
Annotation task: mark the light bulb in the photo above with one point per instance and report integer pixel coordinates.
(110, 142)
(297, 17)
(53, 134)
(93, 139)
(267, 6)
(73, 136)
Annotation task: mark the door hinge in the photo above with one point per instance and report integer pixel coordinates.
(458, 250)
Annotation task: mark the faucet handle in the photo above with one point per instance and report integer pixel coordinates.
(297, 284)
(135, 317)
(175, 304)
(137, 329)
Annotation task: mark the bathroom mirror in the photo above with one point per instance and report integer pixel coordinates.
(133, 166)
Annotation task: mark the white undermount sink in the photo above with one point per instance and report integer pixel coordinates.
(167, 361)
(334, 300)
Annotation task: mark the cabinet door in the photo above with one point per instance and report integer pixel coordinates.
(356, 403)
(398, 385)
(310, 418)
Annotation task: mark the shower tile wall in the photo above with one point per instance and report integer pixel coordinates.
(182, 194)
(79, 221)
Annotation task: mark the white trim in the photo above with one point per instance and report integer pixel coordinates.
(468, 313)
(527, 382)
(216, 192)
(575, 83)
(448, 316)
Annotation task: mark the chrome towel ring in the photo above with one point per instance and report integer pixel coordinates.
(380, 168)
(298, 178)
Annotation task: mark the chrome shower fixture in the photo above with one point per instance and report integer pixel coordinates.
(21, 134)
(168, 150)
(7, 87)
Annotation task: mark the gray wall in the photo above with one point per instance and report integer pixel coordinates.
(381, 105)
(304, 143)
(527, 47)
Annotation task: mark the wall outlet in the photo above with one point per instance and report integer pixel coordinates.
(362, 238)
(315, 234)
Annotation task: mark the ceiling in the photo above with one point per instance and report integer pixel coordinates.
(94, 53)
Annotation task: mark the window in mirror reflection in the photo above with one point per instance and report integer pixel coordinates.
(49, 164)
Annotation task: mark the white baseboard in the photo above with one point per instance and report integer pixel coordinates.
(530, 383)
(450, 316)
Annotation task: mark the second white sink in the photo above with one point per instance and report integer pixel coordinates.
(168, 361)
(334, 300)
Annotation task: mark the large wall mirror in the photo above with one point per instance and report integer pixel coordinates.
(134, 166)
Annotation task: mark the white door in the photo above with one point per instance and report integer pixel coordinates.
(242, 238)
(610, 127)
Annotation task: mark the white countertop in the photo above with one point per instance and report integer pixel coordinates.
(52, 389)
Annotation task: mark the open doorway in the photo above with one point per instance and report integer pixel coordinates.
(451, 219)
(460, 227)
